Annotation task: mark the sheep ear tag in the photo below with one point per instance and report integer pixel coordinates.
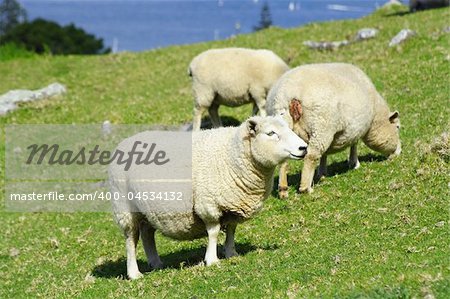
(251, 126)
(394, 117)
(295, 109)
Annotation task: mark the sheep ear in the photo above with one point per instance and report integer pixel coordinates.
(394, 117)
(295, 109)
(252, 127)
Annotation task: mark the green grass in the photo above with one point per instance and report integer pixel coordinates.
(11, 51)
(381, 231)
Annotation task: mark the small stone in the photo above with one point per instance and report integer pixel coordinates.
(54, 243)
(337, 259)
(14, 252)
(106, 127)
(403, 35)
(412, 249)
(325, 45)
(366, 33)
(440, 224)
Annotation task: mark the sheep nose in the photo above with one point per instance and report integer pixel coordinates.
(303, 148)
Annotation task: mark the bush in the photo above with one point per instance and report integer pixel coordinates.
(42, 36)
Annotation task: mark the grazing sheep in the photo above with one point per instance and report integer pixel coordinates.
(232, 77)
(232, 174)
(332, 106)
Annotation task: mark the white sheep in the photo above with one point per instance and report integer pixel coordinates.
(232, 174)
(232, 77)
(331, 106)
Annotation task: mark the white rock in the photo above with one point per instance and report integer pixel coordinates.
(9, 100)
(325, 45)
(403, 35)
(366, 33)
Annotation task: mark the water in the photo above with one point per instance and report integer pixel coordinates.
(136, 25)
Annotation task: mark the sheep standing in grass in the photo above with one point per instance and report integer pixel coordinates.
(232, 174)
(332, 106)
(232, 77)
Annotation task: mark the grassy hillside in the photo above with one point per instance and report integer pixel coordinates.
(381, 231)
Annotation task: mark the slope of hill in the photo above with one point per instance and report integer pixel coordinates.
(381, 231)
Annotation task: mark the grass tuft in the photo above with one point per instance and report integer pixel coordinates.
(441, 146)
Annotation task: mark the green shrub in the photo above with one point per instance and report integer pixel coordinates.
(42, 35)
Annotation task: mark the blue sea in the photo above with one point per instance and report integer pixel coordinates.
(137, 25)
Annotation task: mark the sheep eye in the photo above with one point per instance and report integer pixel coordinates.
(271, 133)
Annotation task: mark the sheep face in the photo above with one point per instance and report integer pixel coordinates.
(385, 138)
(272, 141)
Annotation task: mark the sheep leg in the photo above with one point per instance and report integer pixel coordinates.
(353, 161)
(197, 122)
(204, 96)
(229, 247)
(259, 96)
(132, 238)
(255, 109)
(213, 230)
(316, 149)
(262, 109)
(148, 239)
(214, 115)
(322, 170)
(309, 165)
(282, 181)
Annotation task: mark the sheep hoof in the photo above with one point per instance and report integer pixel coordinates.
(305, 190)
(319, 176)
(212, 262)
(230, 253)
(135, 275)
(283, 194)
(157, 265)
(354, 165)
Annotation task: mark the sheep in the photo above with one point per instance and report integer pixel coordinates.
(331, 106)
(232, 77)
(232, 174)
